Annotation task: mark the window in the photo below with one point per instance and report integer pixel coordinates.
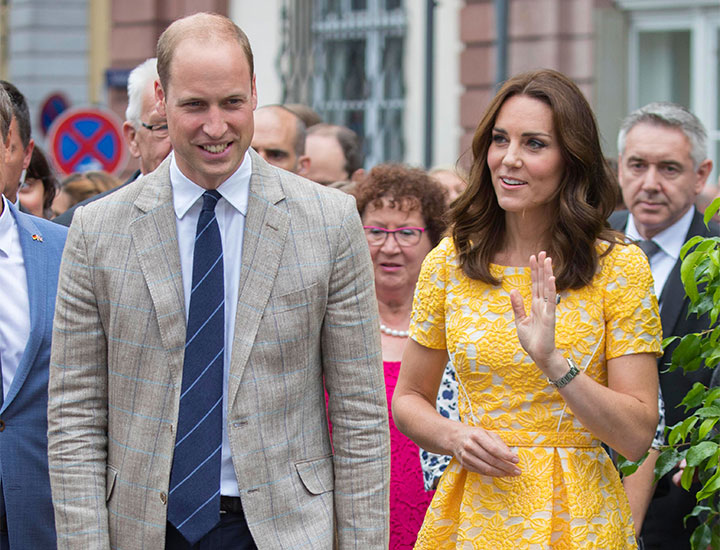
(674, 57)
(358, 71)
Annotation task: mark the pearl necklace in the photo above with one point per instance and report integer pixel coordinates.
(393, 332)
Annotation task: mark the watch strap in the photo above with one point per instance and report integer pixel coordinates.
(565, 380)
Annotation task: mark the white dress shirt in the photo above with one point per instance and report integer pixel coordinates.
(15, 310)
(670, 241)
(230, 212)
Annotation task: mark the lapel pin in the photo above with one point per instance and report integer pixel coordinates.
(37, 237)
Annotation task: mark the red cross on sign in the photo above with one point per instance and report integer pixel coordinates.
(85, 139)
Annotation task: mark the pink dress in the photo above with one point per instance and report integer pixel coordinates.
(408, 498)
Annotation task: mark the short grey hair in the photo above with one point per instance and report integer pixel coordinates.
(663, 113)
(6, 113)
(138, 81)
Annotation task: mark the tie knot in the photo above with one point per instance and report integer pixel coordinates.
(210, 199)
(649, 247)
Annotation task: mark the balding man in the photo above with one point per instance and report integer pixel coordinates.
(144, 129)
(279, 138)
(335, 154)
(202, 312)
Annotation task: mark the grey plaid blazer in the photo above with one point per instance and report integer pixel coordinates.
(306, 314)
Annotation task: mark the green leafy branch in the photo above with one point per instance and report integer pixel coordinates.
(696, 438)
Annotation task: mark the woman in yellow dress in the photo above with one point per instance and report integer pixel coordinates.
(553, 329)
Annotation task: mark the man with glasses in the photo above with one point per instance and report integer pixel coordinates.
(145, 130)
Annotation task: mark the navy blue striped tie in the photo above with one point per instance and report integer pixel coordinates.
(194, 503)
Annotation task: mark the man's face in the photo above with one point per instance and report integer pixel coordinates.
(327, 160)
(658, 179)
(209, 107)
(274, 138)
(17, 159)
(150, 146)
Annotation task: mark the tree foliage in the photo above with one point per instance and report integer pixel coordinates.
(696, 438)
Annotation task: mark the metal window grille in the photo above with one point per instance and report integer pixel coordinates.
(345, 58)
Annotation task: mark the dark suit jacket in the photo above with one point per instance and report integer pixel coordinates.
(663, 525)
(66, 217)
(23, 437)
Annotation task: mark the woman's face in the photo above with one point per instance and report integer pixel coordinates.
(61, 203)
(396, 266)
(524, 157)
(31, 195)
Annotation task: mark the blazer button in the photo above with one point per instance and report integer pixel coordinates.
(163, 498)
(2, 425)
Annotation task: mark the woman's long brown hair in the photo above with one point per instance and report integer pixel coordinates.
(585, 198)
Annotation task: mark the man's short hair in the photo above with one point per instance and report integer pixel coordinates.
(349, 141)
(671, 115)
(204, 26)
(6, 113)
(138, 81)
(20, 111)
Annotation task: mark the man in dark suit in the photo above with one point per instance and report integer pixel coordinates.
(144, 129)
(30, 251)
(662, 169)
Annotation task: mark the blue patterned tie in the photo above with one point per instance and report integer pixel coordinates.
(194, 503)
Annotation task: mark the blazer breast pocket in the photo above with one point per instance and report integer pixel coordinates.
(290, 321)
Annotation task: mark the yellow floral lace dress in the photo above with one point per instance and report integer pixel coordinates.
(569, 494)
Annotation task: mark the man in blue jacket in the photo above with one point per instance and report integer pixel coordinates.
(30, 251)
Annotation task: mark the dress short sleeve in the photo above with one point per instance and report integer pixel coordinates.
(632, 319)
(427, 324)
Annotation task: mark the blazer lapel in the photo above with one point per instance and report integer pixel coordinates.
(154, 235)
(36, 270)
(266, 230)
(673, 294)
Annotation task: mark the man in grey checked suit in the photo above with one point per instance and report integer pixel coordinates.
(300, 315)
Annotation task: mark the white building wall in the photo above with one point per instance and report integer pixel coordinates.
(261, 22)
(447, 89)
(48, 52)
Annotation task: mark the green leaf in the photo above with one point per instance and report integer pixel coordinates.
(696, 512)
(627, 467)
(694, 397)
(701, 537)
(707, 425)
(667, 460)
(711, 486)
(708, 412)
(687, 275)
(688, 245)
(697, 453)
(669, 340)
(680, 431)
(711, 210)
(711, 396)
(687, 477)
(688, 349)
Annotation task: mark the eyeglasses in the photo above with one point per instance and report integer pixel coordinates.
(404, 236)
(159, 131)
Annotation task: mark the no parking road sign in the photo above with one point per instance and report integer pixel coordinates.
(85, 139)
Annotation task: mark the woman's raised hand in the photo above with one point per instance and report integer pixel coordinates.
(536, 331)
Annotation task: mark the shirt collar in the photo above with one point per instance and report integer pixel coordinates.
(235, 189)
(7, 224)
(671, 239)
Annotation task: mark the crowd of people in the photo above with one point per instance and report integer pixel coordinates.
(255, 342)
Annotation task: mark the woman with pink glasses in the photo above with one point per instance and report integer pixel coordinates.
(402, 212)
